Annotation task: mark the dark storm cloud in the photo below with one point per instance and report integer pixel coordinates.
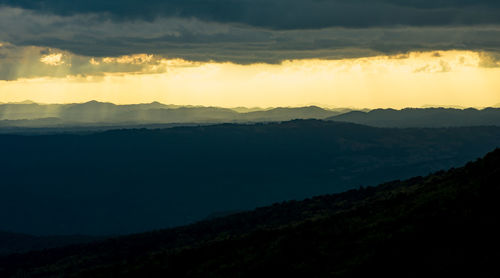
(197, 40)
(237, 31)
(285, 14)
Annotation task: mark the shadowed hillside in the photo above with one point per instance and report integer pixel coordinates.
(19, 243)
(125, 181)
(441, 225)
(423, 117)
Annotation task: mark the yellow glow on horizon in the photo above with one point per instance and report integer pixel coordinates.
(413, 80)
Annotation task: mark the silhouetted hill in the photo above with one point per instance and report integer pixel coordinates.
(242, 109)
(441, 225)
(125, 181)
(97, 112)
(423, 117)
(285, 114)
(80, 112)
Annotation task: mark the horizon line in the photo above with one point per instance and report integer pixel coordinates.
(322, 106)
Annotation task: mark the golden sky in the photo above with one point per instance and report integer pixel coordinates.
(461, 78)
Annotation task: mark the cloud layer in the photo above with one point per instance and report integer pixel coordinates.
(238, 31)
(285, 14)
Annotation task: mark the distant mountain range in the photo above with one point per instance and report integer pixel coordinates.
(99, 114)
(132, 180)
(423, 117)
(442, 225)
(29, 114)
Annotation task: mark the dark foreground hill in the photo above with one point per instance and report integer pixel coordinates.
(442, 225)
(20, 243)
(126, 181)
(423, 117)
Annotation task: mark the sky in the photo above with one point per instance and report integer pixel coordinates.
(331, 53)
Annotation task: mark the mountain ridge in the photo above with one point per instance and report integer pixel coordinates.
(94, 112)
(419, 117)
(30, 114)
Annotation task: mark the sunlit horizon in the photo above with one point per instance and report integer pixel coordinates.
(417, 79)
